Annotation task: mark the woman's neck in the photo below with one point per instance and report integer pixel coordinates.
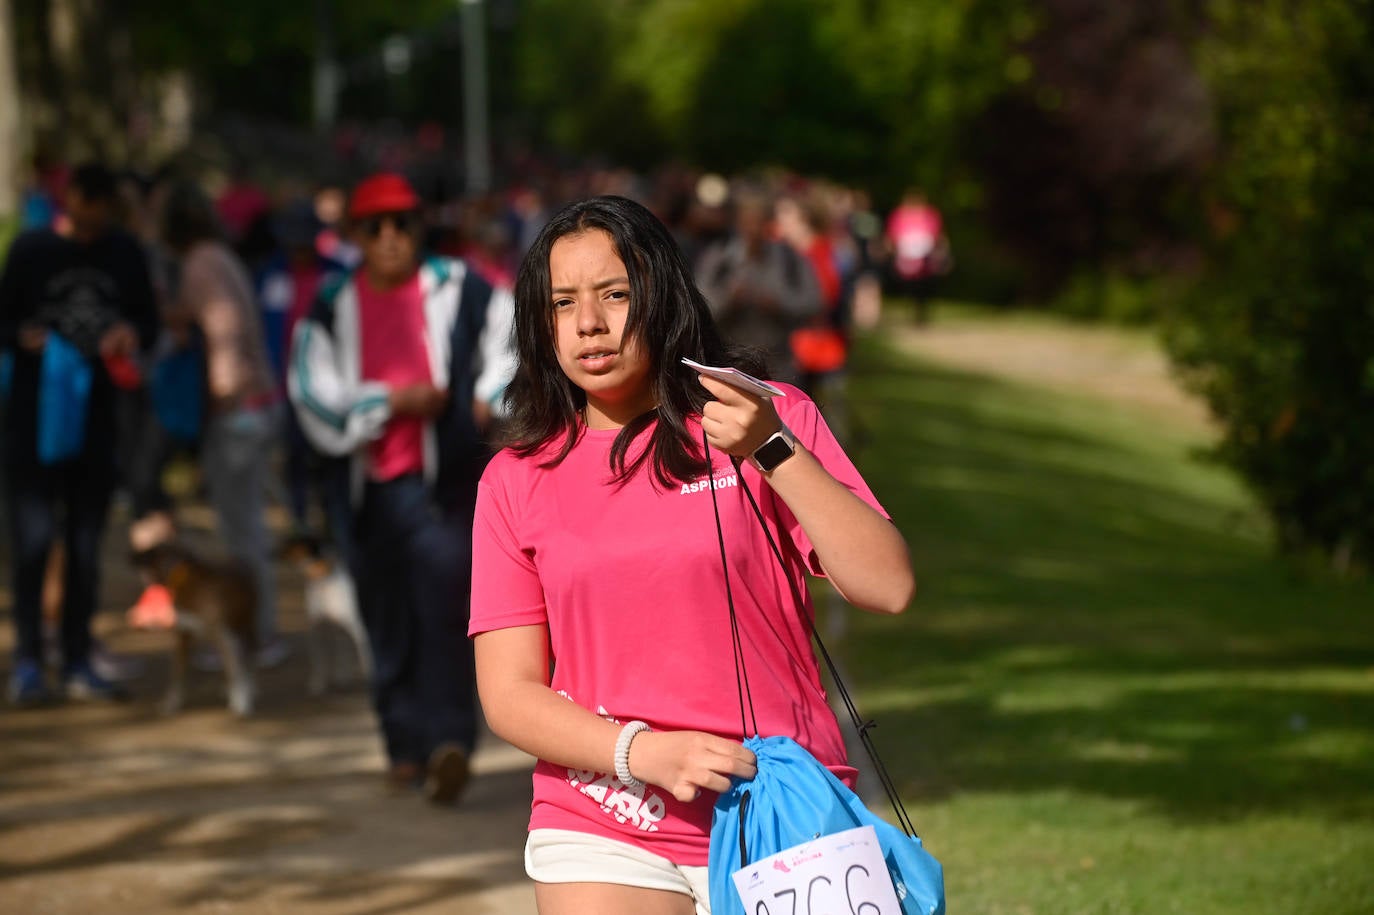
(614, 416)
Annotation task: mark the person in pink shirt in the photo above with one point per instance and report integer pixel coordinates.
(598, 609)
(919, 250)
(399, 368)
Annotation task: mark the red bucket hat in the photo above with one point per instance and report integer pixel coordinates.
(387, 192)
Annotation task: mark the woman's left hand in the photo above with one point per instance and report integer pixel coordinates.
(736, 422)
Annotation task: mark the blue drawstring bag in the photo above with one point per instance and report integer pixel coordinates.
(178, 394)
(794, 799)
(64, 396)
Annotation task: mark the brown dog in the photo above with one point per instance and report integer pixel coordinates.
(214, 599)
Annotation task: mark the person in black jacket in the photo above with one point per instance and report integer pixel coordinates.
(89, 286)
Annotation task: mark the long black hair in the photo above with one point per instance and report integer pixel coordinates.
(188, 216)
(668, 319)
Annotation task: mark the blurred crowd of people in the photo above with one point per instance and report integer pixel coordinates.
(262, 329)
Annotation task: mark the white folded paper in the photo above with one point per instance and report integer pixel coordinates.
(737, 379)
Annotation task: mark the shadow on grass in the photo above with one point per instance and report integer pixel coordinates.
(1099, 612)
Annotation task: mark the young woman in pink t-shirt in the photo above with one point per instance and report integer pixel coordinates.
(599, 606)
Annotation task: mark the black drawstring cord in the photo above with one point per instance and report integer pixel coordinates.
(863, 727)
(741, 675)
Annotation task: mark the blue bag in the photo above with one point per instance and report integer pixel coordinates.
(178, 393)
(64, 396)
(794, 799)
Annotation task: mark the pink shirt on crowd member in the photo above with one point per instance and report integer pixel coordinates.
(305, 285)
(914, 231)
(391, 328)
(628, 581)
(239, 204)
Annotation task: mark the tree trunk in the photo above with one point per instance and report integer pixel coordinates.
(11, 129)
(75, 71)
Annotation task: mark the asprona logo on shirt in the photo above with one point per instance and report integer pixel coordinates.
(705, 485)
(638, 806)
(641, 806)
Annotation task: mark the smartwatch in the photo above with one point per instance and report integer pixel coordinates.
(777, 448)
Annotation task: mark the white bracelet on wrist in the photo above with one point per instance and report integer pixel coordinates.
(622, 753)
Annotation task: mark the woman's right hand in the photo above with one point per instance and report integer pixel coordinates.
(689, 762)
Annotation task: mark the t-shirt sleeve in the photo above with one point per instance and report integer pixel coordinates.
(804, 418)
(506, 590)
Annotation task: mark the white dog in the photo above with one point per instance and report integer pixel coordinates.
(330, 601)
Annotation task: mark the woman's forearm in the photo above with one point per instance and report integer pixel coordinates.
(862, 552)
(524, 711)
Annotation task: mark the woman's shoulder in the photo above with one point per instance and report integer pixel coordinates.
(504, 465)
(520, 464)
(796, 403)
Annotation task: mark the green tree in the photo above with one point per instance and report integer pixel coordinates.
(1279, 336)
(880, 91)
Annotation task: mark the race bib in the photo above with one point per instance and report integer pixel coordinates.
(841, 872)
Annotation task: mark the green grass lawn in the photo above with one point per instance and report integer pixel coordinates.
(1109, 695)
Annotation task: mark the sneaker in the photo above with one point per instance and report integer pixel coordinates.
(27, 685)
(84, 684)
(447, 774)
(273, 654)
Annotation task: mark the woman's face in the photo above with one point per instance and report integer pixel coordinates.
(590, 298)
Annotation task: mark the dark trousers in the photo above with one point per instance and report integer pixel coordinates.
(71, 498)
(308, 471)
(413, 571)
(145, 447)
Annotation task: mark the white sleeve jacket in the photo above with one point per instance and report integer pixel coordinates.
(469, 337)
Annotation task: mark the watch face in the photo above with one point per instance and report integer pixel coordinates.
(773, 452)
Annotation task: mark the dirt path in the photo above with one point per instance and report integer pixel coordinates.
(114, 809)
(1125, 367)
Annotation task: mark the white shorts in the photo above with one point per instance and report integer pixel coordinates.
(567, 856)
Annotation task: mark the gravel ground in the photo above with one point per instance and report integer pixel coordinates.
(115, 809)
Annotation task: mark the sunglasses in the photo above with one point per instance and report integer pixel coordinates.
(405, 223)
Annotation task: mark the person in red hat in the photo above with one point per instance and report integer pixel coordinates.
(400, 367)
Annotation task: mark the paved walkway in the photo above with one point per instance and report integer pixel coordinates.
(114, 809)
(1121, 366)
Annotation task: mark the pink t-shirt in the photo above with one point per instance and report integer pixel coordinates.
(914, 231)
(391, 327)
(628, 581)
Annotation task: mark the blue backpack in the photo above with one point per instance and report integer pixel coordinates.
(793, 799)
(178, 393)
(64, 396)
